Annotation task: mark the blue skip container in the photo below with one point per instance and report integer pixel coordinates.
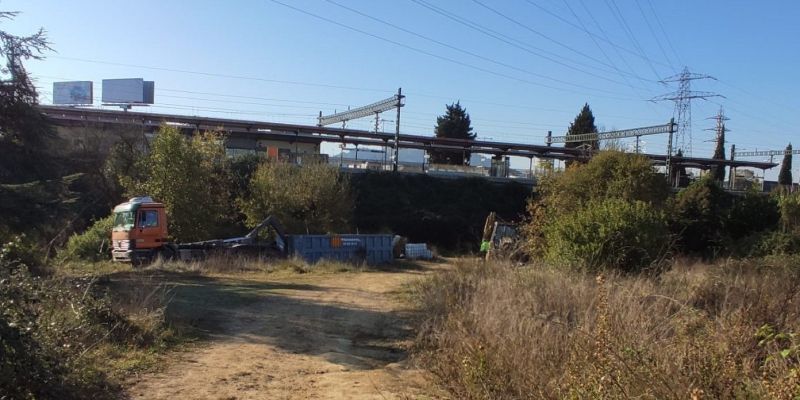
(371, 249)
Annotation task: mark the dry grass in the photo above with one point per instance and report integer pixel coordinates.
(233, 265)
(492, 331)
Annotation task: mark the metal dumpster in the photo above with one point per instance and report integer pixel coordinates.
(372, 249)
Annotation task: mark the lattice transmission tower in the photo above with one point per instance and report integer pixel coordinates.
(683, 105)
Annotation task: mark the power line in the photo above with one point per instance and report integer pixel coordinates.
(460, 50)
(427, 53)
(507, 39)
(583, 26)
(628, 32)
(652, 32)
(528, 28)
(251, 78)
(664, 31)
(616, 46)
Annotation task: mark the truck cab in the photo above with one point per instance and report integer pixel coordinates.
(140, 230)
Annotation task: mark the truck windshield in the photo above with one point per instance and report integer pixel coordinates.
(124, 220)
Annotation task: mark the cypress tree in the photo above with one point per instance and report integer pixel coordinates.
(719, 154)
(785, 176)
(584, 123)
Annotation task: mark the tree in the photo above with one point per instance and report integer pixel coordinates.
(23, 130)
(313, 198)
(583, 124)
(454, 124)
(785, 176)
(190, 177)
(719, 154)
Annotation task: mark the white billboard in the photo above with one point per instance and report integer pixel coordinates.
(72, 93)
(128, 91)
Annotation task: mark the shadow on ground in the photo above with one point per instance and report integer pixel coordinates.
(336, 323)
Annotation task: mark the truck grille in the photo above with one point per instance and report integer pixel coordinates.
(122, 244)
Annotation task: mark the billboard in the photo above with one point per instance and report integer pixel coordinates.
(128, 91)
(72, 93)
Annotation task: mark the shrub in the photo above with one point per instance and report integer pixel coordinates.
(754, 212)
(611, 233)
(698, 217)
(90, 245)
(190, 176)
(608, 175)
(312, 198)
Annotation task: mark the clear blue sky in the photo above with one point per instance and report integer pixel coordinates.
(520, 67)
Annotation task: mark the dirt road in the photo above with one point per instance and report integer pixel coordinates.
(305, 336)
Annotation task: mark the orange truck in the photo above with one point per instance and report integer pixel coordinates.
(140, 235)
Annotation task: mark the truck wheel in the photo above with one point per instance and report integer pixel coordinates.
(167, 254)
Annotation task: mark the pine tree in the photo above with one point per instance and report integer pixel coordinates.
(785, 176)
(454, 124)
(719, 154)
(24, 132)
(583, 124)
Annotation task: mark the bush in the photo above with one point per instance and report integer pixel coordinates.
(611, 233)
(754, 212)
(90, 245)
(698, 217)
(569, 221)
(312, 198)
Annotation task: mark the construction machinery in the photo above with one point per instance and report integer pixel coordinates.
(140, 235)
(501, 240)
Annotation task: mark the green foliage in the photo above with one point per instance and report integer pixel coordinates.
(609, 233)
(754, 212)
(790, 211)
(24, 134)
(189, 175)
(610, 175)
(312, 198)
(583, 123)
(454, 124)
(90, 245)
(447, 213)
(785, 175)
(698, 216)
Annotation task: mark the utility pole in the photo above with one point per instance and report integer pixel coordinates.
(683, 105)
(397, 131)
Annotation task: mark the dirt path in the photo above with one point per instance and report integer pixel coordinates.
(314, 336)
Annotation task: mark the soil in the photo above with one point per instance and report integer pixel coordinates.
(302, 336)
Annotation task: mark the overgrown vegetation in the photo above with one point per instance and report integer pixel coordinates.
(491, 331)
(60, 336)
(191, 178)
(313, 198)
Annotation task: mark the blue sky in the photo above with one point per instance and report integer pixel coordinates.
(520, 67)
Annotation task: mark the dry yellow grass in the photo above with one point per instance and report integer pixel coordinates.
(493, 331)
